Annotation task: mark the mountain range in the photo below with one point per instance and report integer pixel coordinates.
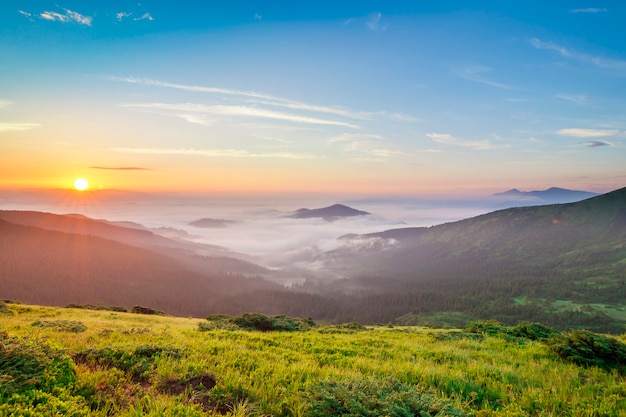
(553, 195)
(561, 264)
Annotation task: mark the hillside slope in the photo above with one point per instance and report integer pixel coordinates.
(571, 252)
(58, 268)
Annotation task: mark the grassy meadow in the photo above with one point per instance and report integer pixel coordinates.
(77, 362)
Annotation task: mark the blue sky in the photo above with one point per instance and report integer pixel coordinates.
(369, 97)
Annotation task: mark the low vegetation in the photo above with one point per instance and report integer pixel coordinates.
(124, 364)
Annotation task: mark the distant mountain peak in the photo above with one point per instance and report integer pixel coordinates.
(552, 195)
(336, 211)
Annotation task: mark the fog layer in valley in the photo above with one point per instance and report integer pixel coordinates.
(255, 225)
(260, 228)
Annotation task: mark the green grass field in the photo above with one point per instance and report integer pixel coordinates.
(104, 363)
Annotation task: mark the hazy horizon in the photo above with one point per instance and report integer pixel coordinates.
(257, 227)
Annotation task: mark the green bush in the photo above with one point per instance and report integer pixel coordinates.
(256, 321)
(98, 307)
(146, 310)
(136, 363)
(591, 349)
(26, 366)
(524, 330)
(487, 327)
(4, 310)
(369, 397)
(61, 325)
(533, 331)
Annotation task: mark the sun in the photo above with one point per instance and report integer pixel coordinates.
(81, 184)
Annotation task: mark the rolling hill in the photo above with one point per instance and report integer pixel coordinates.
(53, 267)
(517, 257)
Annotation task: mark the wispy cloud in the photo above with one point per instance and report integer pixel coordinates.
(478, 73)
(589, 10)
(517, 100)
(351, 137)
(595, 144)
(260, 98)
(12, 126)
(578, 56)
(240, 111)
(123, 168)
(28, 15)
(145, 16)
(588, 133)
(373, 22)
(231, 153)
(68, 17)
(574, 98)
(366, 147)
(5, 103)
(447, 139)
(124, 15)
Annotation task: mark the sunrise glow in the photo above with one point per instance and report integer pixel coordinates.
(81, 184)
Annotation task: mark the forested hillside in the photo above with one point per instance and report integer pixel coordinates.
(510, 264)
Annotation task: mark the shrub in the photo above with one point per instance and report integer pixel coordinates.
(4, 310)
(256, 321)
(146, 310)
(98, 307)
(533, 331)
(26, 366)
(524, 330)
(135, 363)
(486, 327)
(371, 398)
(61, 325)
(591, 349)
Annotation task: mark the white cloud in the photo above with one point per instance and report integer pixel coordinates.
(574, 98)
(428, 150)
(539, 44)
(580, 57)
(251, 97)
(373, 22)
(364, 146)
(447, 139)
(5, 103)
(266, 99)
(145, 16)
(589, 10)
(477, 73)
(350, 137)
(588, 133)
(195, 119)
(11, 126)
(232, 153)
(122, 15)
(241, 111)
(69, 16)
